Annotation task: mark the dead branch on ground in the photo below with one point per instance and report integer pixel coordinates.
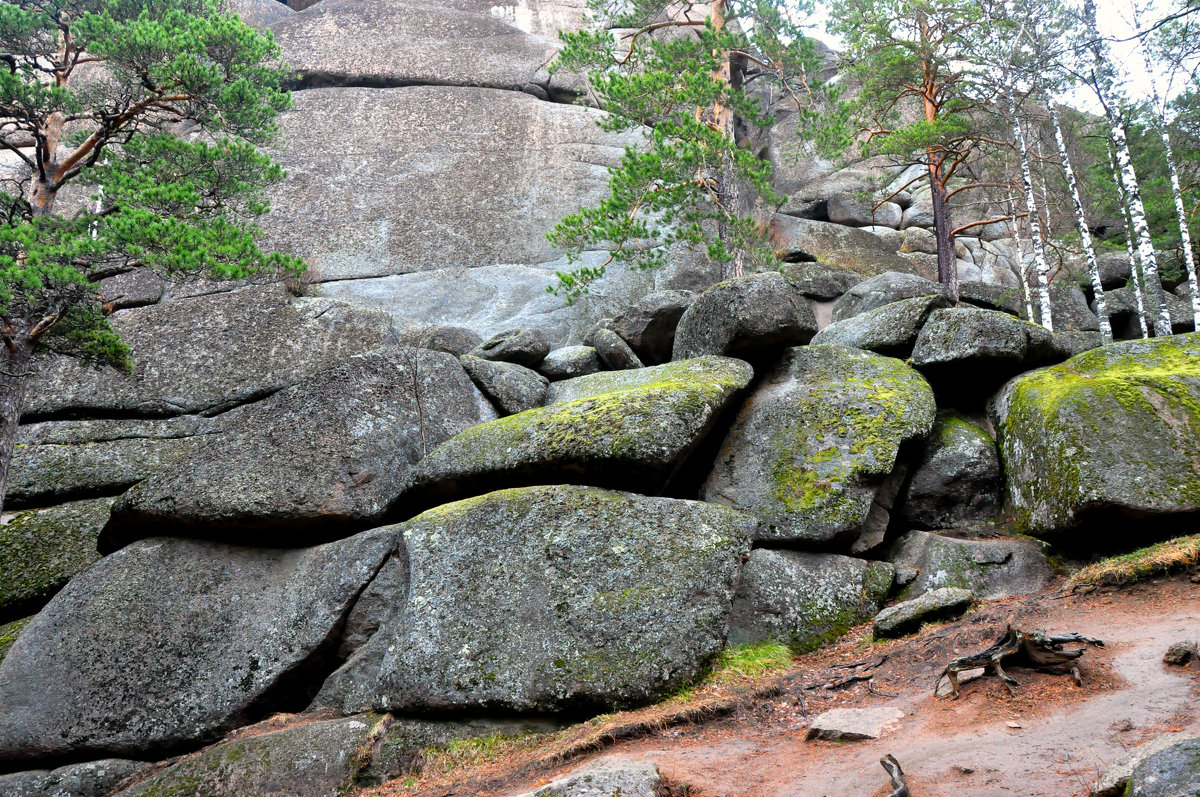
(1015, 648)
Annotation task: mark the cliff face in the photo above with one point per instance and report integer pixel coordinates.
(421, 485)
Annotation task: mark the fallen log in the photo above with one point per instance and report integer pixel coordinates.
(1015, 648)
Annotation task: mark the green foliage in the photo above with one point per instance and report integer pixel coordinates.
(681, 80)
(742, 663)
(161, 201)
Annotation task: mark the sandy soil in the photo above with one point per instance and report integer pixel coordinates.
(1053, 738)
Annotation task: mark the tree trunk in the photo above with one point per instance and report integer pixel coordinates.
(1021, 275)
(45, 176)
(1035, 232)
(1185, 234)
(727, 188)
(1134, 267)
(14, 375)
(947, 263)
(1085, 235)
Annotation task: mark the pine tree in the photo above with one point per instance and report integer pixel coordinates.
(156, 107)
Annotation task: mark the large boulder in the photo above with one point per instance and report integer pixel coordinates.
(42, 549)
(1109, 435)
(649, 325)
(744, 314)
(512, 388)
(258, 14)
(59, 461)
(880, 290)
(452, 250)
(834, 245)
(890, 330)
(812, 447)
(820, 281)
(805, 600)
(554, 598)
(308, 463)
(569, 362)
(956, 480)
(527, 347)
(91, 779)
(1172, 772)
(908, 616)
(1068, 309)
(411, 42)
(208, 353)
(622, 429)
(989, 567)
(169, 643)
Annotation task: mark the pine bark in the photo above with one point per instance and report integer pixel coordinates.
(1035, 232)
(1085, 235)
(947, 263)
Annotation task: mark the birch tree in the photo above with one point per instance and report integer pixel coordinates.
(1041, 266)
(1135, 266)
(682, 76)
(1085, 233)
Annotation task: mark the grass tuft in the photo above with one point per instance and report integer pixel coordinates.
(1159, 559)
(743, 663)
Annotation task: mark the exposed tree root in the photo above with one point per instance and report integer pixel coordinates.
(892, 767)
(1016, 648)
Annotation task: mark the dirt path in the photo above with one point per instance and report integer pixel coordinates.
(969, 747)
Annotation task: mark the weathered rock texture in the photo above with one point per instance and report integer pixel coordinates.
(956, 480)
(1108, 435)
(743, 314)
(311, 461)
(990, 568)
(1172, 772)
(169, 643)
(622, 429)
(908, 616)
(93, 779)
(805, 600)
(605, 778)
(890, 330)
(812, 446)
(551, 598)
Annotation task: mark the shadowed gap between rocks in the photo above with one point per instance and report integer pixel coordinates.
(1108, 528)
(336, 80)
(109, 414)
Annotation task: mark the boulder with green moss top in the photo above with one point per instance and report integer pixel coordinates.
(995, 567)
(1109, 435)
(813, 446)
(805, 600)
(91, 779)
(890, 330)
(956, 479)
(908, 616)
(42, 549)
(557, 598)
(744, 314)
(880, 290)
(622, 429)
(170, 643)
(313, 462)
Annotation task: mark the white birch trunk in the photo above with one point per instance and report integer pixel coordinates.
(1016, 235)
(1128, 177)
(1185, 235)
(1035, 233)
(1134, 267)
(1085, 235)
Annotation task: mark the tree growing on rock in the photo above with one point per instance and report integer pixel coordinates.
(688, 74)
(153, 107)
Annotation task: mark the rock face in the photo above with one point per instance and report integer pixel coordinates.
(908, 616)
(805, 600)
(1173, 772)
(548, 598)
(322, 456)
(890, 330)
(41, 550)
(410, 42)
(812, 447)
(444, 255)
(605, 778)
(957, 479)
(990, 568)
(93, 779)
(621, 429)
(742, 314)
(168, 643)
(1107, 435)
(209, 353)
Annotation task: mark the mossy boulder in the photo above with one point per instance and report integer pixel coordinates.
(170, 643)
(742, 315)
(805, 600)
(956, 479)
(880, 290)
(890, 330)
(1109, 435)
(314, 462)
(9, 633)
(42, 549)
(1173, 772)
(620, 429)
(557, 598)
(990, 568)
(812, 447)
